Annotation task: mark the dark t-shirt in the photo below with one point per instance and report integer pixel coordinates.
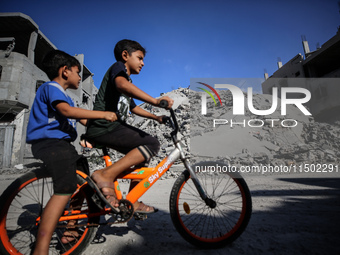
(110, 99)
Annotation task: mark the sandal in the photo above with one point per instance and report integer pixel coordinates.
(143, 208)
(109, 197)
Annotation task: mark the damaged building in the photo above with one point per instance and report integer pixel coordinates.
(320, 70)
(22, 48)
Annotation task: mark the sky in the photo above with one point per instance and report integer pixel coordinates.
(184, 39)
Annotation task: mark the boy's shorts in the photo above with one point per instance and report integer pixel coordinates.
(60, 158)
(124, 138)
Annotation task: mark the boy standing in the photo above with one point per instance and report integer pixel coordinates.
(51, 129)
(116, 94)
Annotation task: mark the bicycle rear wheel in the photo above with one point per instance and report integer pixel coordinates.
(21, 207)
(210, 226)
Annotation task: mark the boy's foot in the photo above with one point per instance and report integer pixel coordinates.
(69, 236)
(140, 207)
(105, 189)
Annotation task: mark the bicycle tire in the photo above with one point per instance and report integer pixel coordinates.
(21, 205)
(202, 225)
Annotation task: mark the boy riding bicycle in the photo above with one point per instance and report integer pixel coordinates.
(51, 129)
(116, 94)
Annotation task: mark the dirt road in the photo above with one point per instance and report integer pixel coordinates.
(290, 216)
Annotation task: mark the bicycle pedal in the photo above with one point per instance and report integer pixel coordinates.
(140, 216)
(98, 201)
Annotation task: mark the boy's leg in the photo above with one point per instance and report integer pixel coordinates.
(72, 232)
(138, 148)
(134, 157)
(48, 223)
(105, 177)
(60, 158)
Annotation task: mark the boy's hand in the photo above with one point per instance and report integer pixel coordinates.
(110, 116)
(159, 119)
(168, 99)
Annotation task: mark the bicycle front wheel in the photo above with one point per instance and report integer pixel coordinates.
(22, 204)
(219, 223)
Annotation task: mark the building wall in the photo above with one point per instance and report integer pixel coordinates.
(320, 71)
(18, 79)
(17, 85)
(22, 49)
(293, 69)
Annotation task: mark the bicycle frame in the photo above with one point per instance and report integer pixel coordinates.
(220, 221)
(148, 176)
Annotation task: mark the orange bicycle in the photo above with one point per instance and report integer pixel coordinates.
(209, 210)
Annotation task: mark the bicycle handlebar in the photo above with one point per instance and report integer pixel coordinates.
(163, 104)
(173, 121)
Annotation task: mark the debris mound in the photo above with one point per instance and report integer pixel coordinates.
(269, 142)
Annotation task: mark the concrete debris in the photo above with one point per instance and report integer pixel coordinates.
(182, 108)
(19, 167)
(268, 143)
(239, 144)
(253, 139)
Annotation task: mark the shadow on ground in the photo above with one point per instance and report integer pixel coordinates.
(302, 217)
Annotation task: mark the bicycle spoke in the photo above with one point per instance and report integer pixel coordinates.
(213, 224)
(24, 209)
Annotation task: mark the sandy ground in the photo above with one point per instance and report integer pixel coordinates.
(290, 216)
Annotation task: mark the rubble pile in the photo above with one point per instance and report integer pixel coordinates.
(161, 132)
(270, 143)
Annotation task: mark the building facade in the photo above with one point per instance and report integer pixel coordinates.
(22, 49)
(320, 70)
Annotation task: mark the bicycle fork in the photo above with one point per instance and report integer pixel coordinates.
(208, 201)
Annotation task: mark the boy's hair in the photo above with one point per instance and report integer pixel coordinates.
(56, 59)
(128, 45)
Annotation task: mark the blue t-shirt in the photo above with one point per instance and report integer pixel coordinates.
(45, 122)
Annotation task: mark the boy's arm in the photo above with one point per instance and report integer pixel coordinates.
(129, 89)
(78, 113)
(141, 112)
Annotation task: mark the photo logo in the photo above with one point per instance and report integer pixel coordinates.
(240, 98)
(204, 98)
